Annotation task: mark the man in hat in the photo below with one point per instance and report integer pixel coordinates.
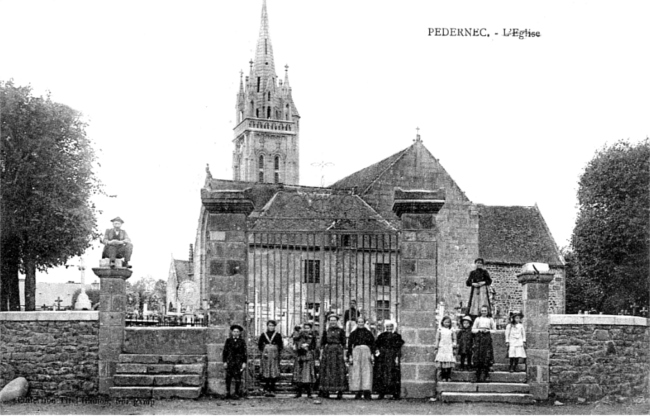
(117, 243)
(234, 360)
(479, 280)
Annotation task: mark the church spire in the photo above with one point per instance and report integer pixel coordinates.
(264, 65)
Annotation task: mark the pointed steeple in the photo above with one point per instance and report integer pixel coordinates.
(264, 64)
(286, 75)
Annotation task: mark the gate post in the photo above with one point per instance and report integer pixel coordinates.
(418, 280)
(226, 260)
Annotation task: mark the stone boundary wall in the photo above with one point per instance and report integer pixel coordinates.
(594, 356)
(57, 352)
(509, 292)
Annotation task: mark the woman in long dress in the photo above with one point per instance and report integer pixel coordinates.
(270, 345)
(479, 280)
(304, 370)
(388, 350)
(361, 347)
(333, 376)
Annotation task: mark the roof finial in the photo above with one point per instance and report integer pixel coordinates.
(417, 135)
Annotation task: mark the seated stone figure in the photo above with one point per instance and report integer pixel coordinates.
(117, 244)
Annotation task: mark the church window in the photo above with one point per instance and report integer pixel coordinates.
(276, 163)
(257, 112)
(258, 83)
(276, 167)
(312, 271)
(383, 309)
(268, 97)
(382, 274)
(260, 166)
(287, 112)
(268, 112)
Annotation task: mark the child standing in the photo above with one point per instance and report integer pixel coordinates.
(465, 342)
(483, 352)
(445, 344)
(516, 340)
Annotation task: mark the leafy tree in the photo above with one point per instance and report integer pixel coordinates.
(147, 291)
(47, 181)
(612, 234)
(93, 295)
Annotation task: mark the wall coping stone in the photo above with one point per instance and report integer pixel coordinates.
(49, 316)
(597, 320)
(165, 328)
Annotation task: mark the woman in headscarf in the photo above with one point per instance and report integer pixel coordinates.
(234, 360)
(388, 351)
(304, 371)
(270, 345)
(361, 347)
(332, 362)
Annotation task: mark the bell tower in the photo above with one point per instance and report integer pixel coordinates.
(267, 131)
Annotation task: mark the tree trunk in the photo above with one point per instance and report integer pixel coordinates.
(9, 290)
(30, 285)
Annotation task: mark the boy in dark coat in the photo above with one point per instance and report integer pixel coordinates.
(465, 340)
(234, 360)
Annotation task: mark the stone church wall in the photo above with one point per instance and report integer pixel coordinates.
(508, 291)
(57, 352)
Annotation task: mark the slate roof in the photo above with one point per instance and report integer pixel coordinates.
(318, 210)
(182, 268)
(365, 177)
(515, 235)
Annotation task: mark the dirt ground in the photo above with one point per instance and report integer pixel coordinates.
(305, 406)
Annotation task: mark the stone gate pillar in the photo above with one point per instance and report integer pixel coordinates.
(535, 301)
(418, 281)
(226, 264)
(112, 310)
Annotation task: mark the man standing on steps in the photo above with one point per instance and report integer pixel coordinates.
(117, 243)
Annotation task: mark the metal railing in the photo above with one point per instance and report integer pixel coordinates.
(137, 320)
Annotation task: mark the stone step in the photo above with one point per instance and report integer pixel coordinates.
(156, 392)
(483, 387)
(517, 398)
(495, 377)
(131, 368)
(162, 359)
(177, 380)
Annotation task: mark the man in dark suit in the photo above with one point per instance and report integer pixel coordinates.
(117, 243)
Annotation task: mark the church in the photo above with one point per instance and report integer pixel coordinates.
(269, 248)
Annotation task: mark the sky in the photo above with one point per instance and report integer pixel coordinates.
(514, 121)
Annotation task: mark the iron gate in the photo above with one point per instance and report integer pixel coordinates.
(297, 277)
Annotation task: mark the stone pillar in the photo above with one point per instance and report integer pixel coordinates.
(226, 264)
(112, 308)
(418, 281)
(535, 302)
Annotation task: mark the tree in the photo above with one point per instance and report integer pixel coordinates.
(612, 233)
(147, 291)
(47, 178)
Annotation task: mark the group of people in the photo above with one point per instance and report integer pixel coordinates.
(473, 341)
(358, 363)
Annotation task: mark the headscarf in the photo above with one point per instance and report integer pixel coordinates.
(390, 322)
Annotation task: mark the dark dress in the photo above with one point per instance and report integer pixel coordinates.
(332, 365)
(478, 296)
(270, 345)
(387, 376)
(304, 370)
(234, 354)
(465, 340)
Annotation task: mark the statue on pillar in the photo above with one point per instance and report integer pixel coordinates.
(117, 244)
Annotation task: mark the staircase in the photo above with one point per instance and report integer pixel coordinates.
(159, 376)
(504, 387)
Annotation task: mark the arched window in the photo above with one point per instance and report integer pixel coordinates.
(287, 112)
(268, 112)
(268, 98)
(260, 166)
(276, 168)
(258, 84)
(257, 112)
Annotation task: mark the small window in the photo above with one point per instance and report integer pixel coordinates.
(312, 271)
(257, 112)
(383, 309)
(268, 98)
(258, 84)
(382, 274)
(276, 163)
(268, 112)
(260, 166)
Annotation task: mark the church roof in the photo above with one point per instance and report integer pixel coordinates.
(515, 235)
(182, 268)
(365, 177)
(319, 210)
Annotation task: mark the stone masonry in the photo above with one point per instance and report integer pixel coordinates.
(417, 322)
(56, 352)
(226, 258)
(593, 356)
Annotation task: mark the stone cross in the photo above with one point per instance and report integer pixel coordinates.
(635, 307)
(44, 307)
(644, 311)
(58, 303)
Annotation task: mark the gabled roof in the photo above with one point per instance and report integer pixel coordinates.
(515, 235)
(318, 211)
(365, 177)
(182, 268)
